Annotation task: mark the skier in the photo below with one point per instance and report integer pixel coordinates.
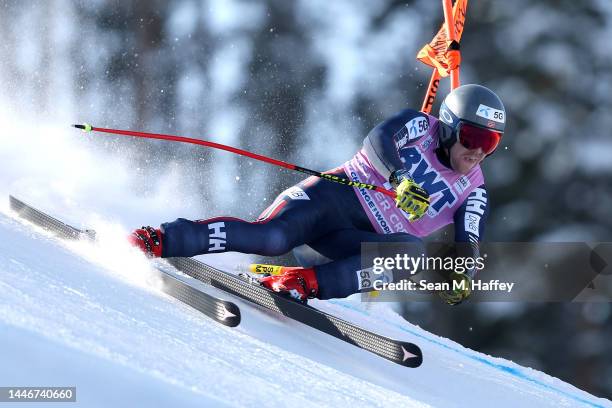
(432, 163)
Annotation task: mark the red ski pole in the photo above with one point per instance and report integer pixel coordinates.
(340, 180)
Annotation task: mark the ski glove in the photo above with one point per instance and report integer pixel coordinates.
(411, 197)
(461, 288)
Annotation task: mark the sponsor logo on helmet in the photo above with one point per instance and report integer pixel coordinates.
(490, 113)
(446, 116)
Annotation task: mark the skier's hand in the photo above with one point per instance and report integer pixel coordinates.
(412, 198)
(461, 289)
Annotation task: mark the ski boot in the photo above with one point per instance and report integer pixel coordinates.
(148, 240)
(299, 283)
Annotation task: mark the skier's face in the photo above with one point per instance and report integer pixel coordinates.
(463, 160)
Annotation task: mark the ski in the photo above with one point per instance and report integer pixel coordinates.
(222, 311)
(401, 352)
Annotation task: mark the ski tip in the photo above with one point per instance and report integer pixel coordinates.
(412, 356)
(230, 315)
(85, 127)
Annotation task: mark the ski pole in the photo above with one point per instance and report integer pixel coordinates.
(432, 91)
(431, 54)
(330, 177)
(451, 34)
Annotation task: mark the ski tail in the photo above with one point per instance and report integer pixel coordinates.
(59, 228)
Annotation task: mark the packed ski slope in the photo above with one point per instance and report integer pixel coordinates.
(85, 315)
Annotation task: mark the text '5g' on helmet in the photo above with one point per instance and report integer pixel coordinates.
(472, 104)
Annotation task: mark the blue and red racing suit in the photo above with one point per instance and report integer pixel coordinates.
(324, 224)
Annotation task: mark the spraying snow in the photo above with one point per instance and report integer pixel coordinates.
(73, 316)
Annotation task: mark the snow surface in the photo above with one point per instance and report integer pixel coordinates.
(71, 315)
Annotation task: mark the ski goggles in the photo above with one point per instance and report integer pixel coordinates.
(474, 137)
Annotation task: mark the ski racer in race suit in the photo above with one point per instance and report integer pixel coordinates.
(434, 166)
